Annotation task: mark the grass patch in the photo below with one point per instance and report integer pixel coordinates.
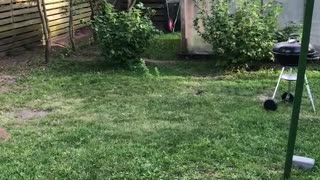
(189, 123)
(164, 47)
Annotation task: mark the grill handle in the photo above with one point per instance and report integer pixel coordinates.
(293, 38)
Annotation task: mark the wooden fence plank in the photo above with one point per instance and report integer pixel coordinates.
(86, 11)
(20, 37)
(64, 31)
(51, 9)
(18, 12)
(5, 21)
(5, 8)
(66, 19)
(5, 2)
(24, 5)
(53, 1)
(25, 11)
(19, 25)
(25, 17)
(57, 5)
(81, 7)
(18, 18)
(19, 31)
(35, 9)
(21, 1)
(65, 25)
(20, 43)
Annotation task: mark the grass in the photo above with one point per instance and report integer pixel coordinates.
(164, 47)
(191, 122)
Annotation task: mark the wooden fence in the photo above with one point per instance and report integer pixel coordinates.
(160, 18)
(20, 24)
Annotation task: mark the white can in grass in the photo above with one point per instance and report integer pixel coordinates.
(303, 162)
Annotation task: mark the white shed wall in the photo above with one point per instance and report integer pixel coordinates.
(293, 10)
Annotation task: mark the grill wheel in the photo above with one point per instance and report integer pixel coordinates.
(270, 105)
(288, 97)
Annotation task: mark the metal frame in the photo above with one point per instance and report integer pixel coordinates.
(292, 77)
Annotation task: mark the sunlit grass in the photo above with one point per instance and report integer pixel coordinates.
(191, 122)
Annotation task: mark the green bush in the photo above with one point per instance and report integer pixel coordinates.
(284, 33)
(124, 35)
(240, 36)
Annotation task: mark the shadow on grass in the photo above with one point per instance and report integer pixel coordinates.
(89, 60)
(172, 68)
(73, 66)
(187, 68)
(161, 56)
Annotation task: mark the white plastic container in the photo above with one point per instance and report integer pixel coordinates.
(303, 162)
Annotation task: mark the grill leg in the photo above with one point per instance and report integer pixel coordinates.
(309, 93)
(278, 83)
(289, 87)
(289, 83)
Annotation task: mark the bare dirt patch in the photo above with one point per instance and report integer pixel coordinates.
(152, 61)
(4, 135)
(263, 98)
(22, 61)
(6, 81)
(28, 113)
(265, 94)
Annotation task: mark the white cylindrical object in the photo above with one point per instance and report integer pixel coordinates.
(303, 162)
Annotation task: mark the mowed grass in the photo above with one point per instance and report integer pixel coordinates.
(164, 47)
(191, 122)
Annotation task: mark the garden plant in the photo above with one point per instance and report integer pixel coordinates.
(124, 35)
(241, 35)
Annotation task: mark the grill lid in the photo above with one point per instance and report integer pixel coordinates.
(291, 47)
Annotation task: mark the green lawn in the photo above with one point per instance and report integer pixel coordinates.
(191, 122)
(164, 47)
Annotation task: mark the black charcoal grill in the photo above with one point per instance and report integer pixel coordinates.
(287, 55)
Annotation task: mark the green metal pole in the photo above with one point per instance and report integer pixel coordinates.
(299, 86)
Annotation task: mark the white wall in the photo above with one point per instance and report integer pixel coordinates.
(197, 44)
(293, 10)
(315, 32)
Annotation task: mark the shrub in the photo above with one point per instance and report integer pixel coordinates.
(243, 36)
(124, 35)
(284, 33)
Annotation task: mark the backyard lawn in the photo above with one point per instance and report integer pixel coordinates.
(79, 118)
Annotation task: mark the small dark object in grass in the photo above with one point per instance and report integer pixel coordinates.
(270, 105)
(254, 66)
(200, 92)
